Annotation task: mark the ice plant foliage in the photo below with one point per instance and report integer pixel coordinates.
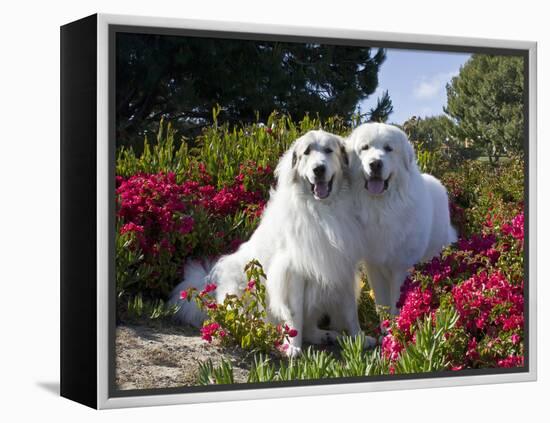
(154, 209)
(488, 300)
(162, 222)
(245, 193)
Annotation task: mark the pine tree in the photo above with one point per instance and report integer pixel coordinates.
(183, 78)
(486, 100)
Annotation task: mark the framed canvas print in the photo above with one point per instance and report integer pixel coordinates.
(252, 211)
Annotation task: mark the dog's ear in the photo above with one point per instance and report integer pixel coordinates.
(285, 172)
(408, 155)
(294, 170)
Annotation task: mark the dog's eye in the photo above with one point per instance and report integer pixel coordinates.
(328, 150)
(307, 150)
(387, 148)
(365, 147)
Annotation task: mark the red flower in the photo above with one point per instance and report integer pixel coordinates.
(511, 361)
(209, 287)
(251, 284)
(212, 305)
(152, 206)
(292, 333)
(209, 330)
(391, 347)
(131, 227)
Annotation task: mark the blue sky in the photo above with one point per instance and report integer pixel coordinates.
(416, 82)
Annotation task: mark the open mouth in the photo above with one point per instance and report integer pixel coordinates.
(321, 189)
(377, 185)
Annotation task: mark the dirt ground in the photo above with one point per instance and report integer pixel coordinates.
(166, 357)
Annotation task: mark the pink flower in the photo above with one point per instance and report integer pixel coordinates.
(183, 295)
(283, 347)
(251, 284)
(131, 227)
(511, 361)
(152, 206)
(516, 227)
(209, 330)
(472, 353)
(209, 287)
(493, 255)
(391, 347)
(186, 225)
(416, 304)
(292, 333)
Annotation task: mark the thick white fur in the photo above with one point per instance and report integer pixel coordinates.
(407, 223)
(307, 246)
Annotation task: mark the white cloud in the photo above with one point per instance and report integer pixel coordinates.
(430, 87)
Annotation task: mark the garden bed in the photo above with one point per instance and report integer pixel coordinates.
(174, 203)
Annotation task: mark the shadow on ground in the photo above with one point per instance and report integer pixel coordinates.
(51, 387)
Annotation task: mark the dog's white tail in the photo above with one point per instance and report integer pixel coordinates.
(196, 273)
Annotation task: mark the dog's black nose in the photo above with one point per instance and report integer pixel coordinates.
(376, 166)
(319, 170)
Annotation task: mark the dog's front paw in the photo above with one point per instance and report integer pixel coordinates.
(330, 337)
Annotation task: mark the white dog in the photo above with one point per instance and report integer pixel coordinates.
(306, 242)
(405, 214)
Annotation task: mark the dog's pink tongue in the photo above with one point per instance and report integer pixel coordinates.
(375, 186)
(321, 189)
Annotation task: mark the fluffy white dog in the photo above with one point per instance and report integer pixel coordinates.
(404, 214)
(306, 242)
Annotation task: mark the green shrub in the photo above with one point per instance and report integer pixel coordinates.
(435, 342)
(221, 149)
(241, 319)
(480, 191)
